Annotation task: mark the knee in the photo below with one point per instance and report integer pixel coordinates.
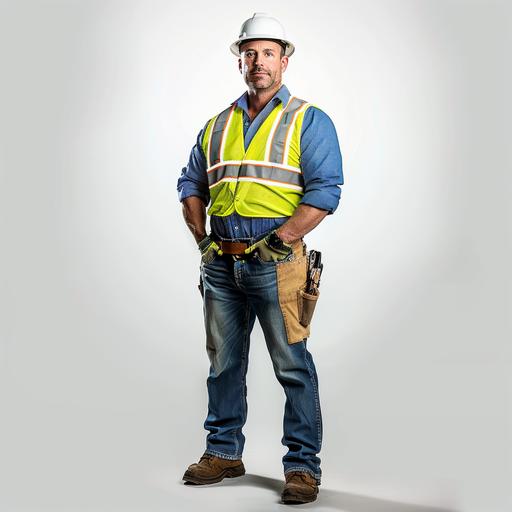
(290, 364)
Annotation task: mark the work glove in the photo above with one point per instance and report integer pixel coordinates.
(271, 248)
(209, 249)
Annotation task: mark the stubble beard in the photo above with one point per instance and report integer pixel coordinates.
(266, 83)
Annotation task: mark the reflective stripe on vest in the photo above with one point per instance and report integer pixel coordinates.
(267, 166)
(285, 176)
(279, 144)
(217, 135)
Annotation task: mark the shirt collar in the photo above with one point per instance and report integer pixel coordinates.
(282, 95)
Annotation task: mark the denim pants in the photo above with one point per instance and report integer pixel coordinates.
(235, 292)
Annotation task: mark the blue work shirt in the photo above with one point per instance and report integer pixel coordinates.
(320, 163)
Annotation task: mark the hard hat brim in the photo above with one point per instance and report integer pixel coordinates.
(290, 48)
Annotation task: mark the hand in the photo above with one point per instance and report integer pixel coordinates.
(209, 249)
(271, 248)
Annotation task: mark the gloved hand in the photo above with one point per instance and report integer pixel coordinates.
(209, 249)
(271, 248)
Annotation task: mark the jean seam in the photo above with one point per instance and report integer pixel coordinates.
(317, 404)
(304, 470)
(223, 455)
(244, 368)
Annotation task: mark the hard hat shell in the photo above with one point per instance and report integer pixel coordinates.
(262, 26)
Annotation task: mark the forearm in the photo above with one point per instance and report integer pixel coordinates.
(304, 219)
(194, 213)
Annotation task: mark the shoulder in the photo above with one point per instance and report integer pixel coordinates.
(221, 116)
(316, 118)
(312, 111)
(223, 113)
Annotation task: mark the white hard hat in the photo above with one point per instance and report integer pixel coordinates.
(262, 26)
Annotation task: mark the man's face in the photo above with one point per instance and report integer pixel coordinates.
(261, 64)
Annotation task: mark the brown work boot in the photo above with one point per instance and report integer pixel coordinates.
(300, 487)
(211, 469)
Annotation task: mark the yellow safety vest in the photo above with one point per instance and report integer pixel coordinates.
(264, 181)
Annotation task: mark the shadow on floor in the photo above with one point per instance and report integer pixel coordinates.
(329, 498)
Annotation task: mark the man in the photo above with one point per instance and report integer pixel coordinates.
(269, 166)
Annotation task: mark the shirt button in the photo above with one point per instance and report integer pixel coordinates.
(236, 227)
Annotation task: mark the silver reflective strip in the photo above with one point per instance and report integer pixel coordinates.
(288, 141)
(275, 124)
(222, 171)
(216, 136)
(272, 174)
(278, 143)
(225, 134)
(254, 162)
(208, 146)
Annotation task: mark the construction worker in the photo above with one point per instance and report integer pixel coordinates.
(269, 170)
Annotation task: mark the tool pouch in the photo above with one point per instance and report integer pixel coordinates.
(291, 278)
(307, 304)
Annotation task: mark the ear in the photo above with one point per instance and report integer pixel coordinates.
(284, 63)
(240, 65)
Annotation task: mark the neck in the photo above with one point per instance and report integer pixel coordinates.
(258, 98)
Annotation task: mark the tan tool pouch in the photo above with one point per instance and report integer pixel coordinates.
(307, 304)
(291, 280)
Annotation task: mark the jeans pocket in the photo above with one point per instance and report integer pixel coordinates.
(258, 258)
(208, 257)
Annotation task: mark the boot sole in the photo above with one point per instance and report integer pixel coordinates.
(288, 497)
(225, 473)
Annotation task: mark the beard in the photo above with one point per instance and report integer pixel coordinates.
(261, 81)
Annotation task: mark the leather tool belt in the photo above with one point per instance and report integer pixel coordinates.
(233, 248)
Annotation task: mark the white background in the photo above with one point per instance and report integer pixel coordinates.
(103, 363)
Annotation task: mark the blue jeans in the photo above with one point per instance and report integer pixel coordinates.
(235, 292)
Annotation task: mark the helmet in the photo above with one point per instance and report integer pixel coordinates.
(262, 26)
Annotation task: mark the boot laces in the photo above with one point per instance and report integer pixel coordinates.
(302, 474)
(206, 457)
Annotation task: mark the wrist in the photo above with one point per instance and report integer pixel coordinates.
(283, 237)
(274, 242)
(198, 237)
(204, 242)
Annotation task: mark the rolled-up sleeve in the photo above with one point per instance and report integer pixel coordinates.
(321, 162)
(194, 180)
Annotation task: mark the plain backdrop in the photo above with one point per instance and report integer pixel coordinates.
(103, 363)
